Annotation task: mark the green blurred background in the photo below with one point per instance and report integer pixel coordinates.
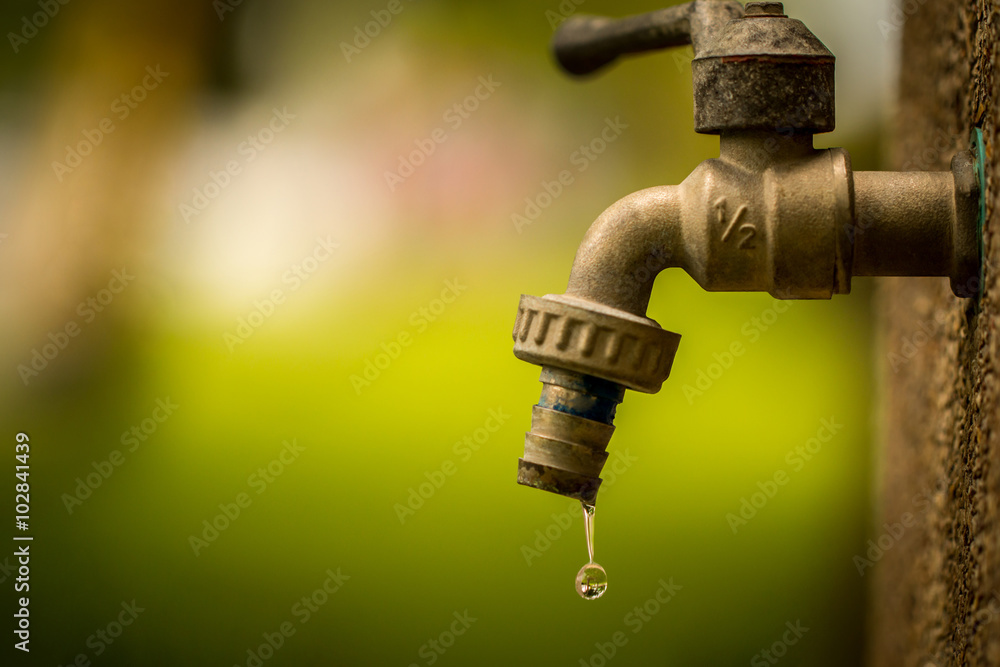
(477, 545)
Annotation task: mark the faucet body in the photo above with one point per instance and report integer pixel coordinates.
(771, 213)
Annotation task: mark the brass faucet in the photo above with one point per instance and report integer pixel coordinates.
(771, 213)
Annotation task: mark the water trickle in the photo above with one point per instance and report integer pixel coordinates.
(591, 580)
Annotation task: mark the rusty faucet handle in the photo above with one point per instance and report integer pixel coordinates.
(584, 44)
(754, 69)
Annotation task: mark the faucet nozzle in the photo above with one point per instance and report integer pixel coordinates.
(589, 354)
(570, 430)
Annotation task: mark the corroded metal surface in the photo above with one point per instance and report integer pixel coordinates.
(771, 213)
(765, 72)
(584, 44)
(570, 430)
(623, 349)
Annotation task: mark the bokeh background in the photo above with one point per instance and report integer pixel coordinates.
(477, 545)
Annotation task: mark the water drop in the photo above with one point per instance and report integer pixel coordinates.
(588, 528)
(591, 580)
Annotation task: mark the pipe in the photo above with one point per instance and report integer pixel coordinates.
(903, 223)
(626, 247)
(920, 224)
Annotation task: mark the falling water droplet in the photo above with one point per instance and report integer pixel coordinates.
(588, 528)
(591, 580)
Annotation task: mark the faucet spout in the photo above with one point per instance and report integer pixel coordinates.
(625, 249)
(595, 341)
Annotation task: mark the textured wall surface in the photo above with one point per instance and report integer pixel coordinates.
(935, 586)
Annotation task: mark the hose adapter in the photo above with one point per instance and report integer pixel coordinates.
(589, 355)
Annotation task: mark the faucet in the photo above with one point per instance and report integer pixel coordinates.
(771, 213)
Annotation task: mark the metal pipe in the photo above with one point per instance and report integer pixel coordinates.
(903, 223)
(626, 247)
